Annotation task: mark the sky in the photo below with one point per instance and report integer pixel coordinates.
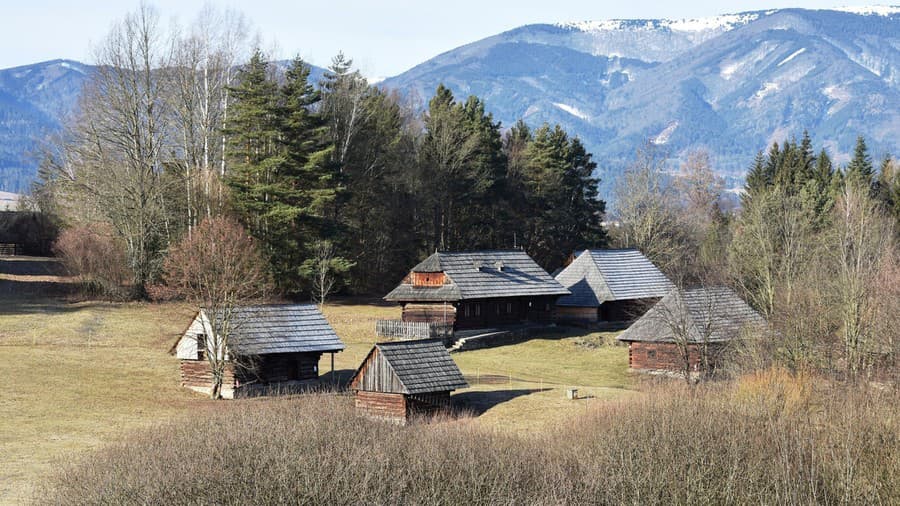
(384, 37)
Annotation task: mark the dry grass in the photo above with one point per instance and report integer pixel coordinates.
(676, 445)
(79, 374)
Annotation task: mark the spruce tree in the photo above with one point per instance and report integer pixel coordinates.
(253, 148)
(860, 167)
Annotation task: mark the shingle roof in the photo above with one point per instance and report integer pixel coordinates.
(422, 366)
(287, 328)
(598, 276)
(709, 314)
(480, 275)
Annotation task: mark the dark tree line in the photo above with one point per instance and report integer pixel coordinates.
(349, 163)
(343, 184)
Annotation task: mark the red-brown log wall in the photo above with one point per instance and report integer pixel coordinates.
(664, 356)
(381, 405)
(424, 312)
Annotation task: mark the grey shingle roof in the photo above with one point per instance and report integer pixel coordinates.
(709, 314)
(598, 276)
(481, 275)
(421, 366)
(283, 328)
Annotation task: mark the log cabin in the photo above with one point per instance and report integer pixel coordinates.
(610, 286)
(403, 379)
(687, 328)
(271, 348)
(478, 289)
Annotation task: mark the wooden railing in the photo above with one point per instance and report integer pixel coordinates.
(398, 329)
(10, 249)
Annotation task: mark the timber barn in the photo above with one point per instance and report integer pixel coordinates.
(692, 322)
(478, 289)
(270, 347)
(611, 286)
(398, 380)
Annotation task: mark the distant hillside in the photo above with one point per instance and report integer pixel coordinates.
(34, 100)
(732, 83)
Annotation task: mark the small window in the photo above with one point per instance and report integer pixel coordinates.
(497, 307)
(547, 307)
(201, 347)
(477, 309)
(651, 353)
(509, 308)
(467, 310)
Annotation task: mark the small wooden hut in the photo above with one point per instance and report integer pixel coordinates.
(271, 347)
(478, 289)
(698, 321)
(405, 378)
(613, 286)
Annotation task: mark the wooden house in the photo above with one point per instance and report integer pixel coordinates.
(270, 347)
(695, 321)
(478, 289)
(610, 285)
(401, 379)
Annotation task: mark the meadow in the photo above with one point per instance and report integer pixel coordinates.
(79, 375)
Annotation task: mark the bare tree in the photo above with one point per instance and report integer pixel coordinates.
(202, 69)
(699, 184)
(220, 267)
(113, 163)
(325, 270)
(863, 246)
(646, 206)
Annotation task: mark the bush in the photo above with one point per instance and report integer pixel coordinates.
(709, 444)
(94, 255)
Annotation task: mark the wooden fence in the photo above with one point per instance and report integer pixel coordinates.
(10, 249)
(398, 329)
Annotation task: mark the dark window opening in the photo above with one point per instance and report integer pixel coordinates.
(509, 308)
(201, 346)
(651, 353)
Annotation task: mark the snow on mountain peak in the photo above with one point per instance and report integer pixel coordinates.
(724, 22)
(871, 10)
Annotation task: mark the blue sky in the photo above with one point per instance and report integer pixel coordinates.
(383, 37)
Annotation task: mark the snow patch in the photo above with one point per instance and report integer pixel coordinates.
(724, 23)
(792, 56)
(841, 96)
(870, 10)
(574, 111)
(69, 66)
(767, 89)
(728, 70)
(664, 136)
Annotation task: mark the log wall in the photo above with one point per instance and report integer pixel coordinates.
(382, 405)
(570, 313)
(666, 356)
(429, 312)
(197, 375)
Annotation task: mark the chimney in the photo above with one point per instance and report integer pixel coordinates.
(499, 265)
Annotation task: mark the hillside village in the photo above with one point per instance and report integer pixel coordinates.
(237, 283)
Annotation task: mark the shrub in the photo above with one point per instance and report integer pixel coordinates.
(94, 255)
(706, 444)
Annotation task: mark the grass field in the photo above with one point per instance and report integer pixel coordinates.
(77, 375)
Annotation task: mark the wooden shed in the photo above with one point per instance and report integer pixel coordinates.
(478, 289)
(613, 286)
(270, 347)
(405, 378)
(696, 322)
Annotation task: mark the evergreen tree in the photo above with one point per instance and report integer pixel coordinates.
(860, 168)
(253, 142)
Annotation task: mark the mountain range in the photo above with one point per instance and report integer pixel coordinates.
(731, 84)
